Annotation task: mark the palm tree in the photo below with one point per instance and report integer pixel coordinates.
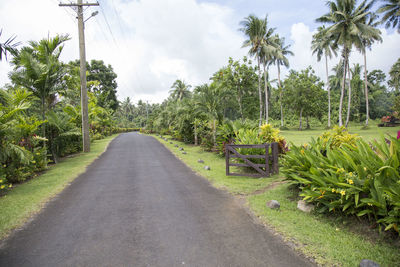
(348, 25)
(367, 42)
(179, 90)
(7, 46)
(255, 29)
(268, 53)
(37, 68)
(324, 46)
(208, 99)
(394, 73)
(391, 13)
(280, 58)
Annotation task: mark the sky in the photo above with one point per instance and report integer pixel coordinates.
(151, 43)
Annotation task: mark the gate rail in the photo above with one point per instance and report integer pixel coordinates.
(263, 170)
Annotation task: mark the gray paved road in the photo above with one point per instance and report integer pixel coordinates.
(137, 205)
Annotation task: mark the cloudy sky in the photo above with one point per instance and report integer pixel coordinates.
(151, 43)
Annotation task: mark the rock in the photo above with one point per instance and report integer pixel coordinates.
(304, 206)
(181, 149)
(207, 168)
(184, 153)
(273, 204)
(368, 263)
(200, 161)
(171, 143)
(176, 146)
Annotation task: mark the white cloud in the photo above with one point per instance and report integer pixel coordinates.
(156, 42)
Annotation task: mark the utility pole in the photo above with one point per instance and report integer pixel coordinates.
(82, 56)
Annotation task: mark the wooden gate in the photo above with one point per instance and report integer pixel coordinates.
(268, 167)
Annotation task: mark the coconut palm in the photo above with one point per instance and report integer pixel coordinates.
(391, 13)
(179, 90)
(255, 29)
(321, 45)
(348, 23)
(280, 58)
(37, 68)
(367, 42)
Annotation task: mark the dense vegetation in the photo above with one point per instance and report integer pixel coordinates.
(40, 118)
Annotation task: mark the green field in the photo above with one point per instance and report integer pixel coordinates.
(374, 132)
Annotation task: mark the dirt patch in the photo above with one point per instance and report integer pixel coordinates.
(265, 189)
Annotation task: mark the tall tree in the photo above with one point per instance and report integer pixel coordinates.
(255, 29)
(322, 45)
(268, 52)
(305, 93)
(280, 58)
(391, 13)
(394, 73)
(106, 89)
(208, 99)
(348, 23)
(367, 41)
(37, 68)
(179, 90)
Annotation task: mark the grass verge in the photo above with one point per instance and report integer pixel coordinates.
(27, 199)
(328, 241)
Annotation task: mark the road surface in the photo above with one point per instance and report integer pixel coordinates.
(138, 205)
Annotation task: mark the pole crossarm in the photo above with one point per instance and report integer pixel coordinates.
(76, 4)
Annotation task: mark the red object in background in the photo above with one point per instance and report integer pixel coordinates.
(398, 134)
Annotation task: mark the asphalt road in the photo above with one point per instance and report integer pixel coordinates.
(137, 205)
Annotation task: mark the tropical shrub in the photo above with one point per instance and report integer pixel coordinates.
(344, 174)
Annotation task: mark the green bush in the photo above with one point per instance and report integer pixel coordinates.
(342, 173)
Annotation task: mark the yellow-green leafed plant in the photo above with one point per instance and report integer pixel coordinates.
(351, 177)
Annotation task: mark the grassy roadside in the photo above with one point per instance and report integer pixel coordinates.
(27, 199)
(328, 241)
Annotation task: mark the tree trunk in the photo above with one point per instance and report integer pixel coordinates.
(215, 132)
(300, 120)
(349, 97)
(308, 123)
(366, 89)
(195, 134)
(44, 127)
(329, 91)
(240, 103)
(343, 86)
(259, 90)
(280, 92)
(266, 96)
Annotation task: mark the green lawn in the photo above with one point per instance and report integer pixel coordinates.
(374, 132)
(327, 240)
(27, 199)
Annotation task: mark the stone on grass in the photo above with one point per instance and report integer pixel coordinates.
(207, 168)
(176, 146)
(171, 143)
(304, 206)
(181, 149)
(273, 204)
(200, 161)
(368, 263)
(184, 153)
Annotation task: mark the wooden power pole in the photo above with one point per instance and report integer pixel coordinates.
(82, 57)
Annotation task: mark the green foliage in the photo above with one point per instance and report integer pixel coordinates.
(343, 174)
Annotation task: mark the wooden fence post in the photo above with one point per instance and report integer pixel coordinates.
(275, 152)
(227, 159)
